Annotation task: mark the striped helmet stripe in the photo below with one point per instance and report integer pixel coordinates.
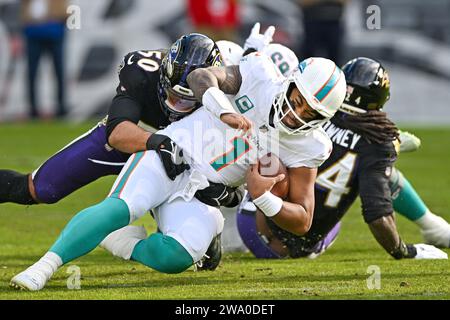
(323, 92)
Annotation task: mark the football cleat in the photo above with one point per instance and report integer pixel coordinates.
(29, 280)
(212, 257)
(409, 142)
(35, 277)
(438, 234)
(121, 242)
(326, 242)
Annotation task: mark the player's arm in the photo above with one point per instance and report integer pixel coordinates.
(379, 215)
(210, 86)
(373, 176)
(126, 107)
(122, 130)
(125, 112)
(228, 79)
(294, 215)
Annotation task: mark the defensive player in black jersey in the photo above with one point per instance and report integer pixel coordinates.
(151, 94)
(361, 165)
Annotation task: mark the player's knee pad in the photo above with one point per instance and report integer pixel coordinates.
(162, 253)
(14, 188)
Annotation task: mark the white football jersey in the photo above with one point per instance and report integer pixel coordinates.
(224, 154)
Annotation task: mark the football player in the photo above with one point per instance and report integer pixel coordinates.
(148, 98)
(361, 164)
(406, 201)
(221, 145)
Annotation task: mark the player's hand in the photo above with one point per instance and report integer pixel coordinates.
(257, 184)
(171, 155)
(259, 41)
(426, 251)
(237, 121)
(218, 194)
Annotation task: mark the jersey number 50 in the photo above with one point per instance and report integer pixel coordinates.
(151, 61)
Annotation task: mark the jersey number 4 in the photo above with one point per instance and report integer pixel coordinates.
(335, 179)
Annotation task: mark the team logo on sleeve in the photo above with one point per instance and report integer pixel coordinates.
(244, 104)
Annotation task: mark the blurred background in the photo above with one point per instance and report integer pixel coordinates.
(60, 68)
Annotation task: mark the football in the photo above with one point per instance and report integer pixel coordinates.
(271, 166)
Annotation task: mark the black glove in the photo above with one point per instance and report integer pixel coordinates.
(218, 195)
(404, 250)
(171, 155)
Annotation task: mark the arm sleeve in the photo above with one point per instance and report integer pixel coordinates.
(375, 168)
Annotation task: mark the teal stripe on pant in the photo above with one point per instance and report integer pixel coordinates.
(137, 158)
(89, 227)
(162, 253)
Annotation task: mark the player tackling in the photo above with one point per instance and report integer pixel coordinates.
(286, 117)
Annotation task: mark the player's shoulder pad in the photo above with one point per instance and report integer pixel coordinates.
(313, 153)
(323, 149)
(259, 66)
(132, 70)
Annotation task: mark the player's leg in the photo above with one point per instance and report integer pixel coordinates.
(15, 187)
(84, 160)
(187, 229)
(263, 241)
(408, 203)
(142, 185)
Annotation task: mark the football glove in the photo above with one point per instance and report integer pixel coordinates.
(259, 41)
(409, 142)
(171, 155)
(426, 251)
(218, 195)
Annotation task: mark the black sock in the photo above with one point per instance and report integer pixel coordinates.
(14, 188)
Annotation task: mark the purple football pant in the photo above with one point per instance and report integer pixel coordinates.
(246, 222)
(83, 161)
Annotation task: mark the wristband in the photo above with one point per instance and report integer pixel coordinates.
(216, 102)
(269, 203)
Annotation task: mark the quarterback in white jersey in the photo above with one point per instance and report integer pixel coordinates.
(289, 109)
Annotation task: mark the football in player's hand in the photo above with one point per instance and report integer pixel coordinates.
(271, 166)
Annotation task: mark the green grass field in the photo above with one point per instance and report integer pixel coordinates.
(341, 273)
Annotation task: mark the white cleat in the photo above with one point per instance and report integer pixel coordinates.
(35, 277)
(439, 234)
(30, 280)
(409, 142)
(121, 242)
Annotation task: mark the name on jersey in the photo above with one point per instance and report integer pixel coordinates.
(343, 137)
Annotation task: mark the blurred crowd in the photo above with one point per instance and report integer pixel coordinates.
(36, 32)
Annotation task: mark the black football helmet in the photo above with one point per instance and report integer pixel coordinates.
(188, 53)
(367, 86)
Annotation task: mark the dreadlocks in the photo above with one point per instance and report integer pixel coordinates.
(373, 125)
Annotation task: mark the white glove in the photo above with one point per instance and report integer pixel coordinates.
(425, 251)
(409, 142)
(259, 41)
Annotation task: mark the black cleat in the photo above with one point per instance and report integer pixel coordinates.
(211, 259)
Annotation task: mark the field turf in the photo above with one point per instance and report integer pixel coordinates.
(341, 273)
